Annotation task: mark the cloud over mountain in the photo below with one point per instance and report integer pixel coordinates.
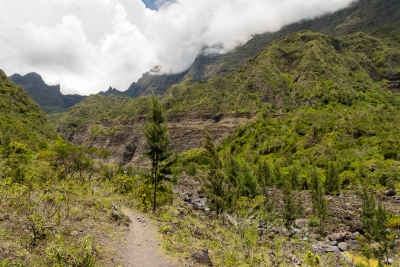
(89, 45)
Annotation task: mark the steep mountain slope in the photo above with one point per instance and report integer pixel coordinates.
(50, 98)
(20, 117)
(304, 69)
(153, 81)
(377, 17)
(91, 108)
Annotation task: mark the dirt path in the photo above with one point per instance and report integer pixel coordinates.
(142, 248)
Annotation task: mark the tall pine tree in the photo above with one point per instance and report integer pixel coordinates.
(157, 137)
(214, 184)
(332, 183)
(318, 199)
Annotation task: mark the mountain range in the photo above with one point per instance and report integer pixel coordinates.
(290, 113)
(50, 98)
(379, 18)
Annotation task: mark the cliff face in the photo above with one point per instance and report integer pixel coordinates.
(153, 81)
(304, 69)
(126, 142)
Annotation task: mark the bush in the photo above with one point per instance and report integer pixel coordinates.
(313, 221)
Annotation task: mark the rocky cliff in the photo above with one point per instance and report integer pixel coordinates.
(126, 142)
(153, 81)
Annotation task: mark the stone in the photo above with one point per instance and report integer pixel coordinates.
(116, 216)
(339, 237)
(333, 243)
(347, 258)
(388, 261)
(353, 244)
(202, 257)
(343, 246)
(390, 192)
(331, 249)
(300, 223)
(296, 231)
(74, 233)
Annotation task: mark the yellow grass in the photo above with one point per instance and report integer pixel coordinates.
(360, 259)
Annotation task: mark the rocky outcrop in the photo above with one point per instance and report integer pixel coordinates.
(124, 139)
(153, 81)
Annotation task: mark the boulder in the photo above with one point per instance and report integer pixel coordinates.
(388, 261)
(301, 223)
(390, 192)
(329, 249)
(333, 243)
(202, 257)
(343, 246)
(116, 216)
(339, 237)
(347, 258)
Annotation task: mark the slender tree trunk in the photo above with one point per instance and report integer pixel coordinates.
(155, 184)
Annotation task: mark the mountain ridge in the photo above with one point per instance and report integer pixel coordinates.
(370, 16)
(304, 69)
(49, 97)
(21, 117)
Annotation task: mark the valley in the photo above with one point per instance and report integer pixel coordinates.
(282, 152)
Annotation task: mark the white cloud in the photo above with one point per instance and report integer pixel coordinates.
(88, 45)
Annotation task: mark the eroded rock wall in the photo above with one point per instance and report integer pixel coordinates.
(125, 141)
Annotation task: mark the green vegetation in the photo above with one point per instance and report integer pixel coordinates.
(156, 134)
(21, 118)
(318, 200)
(92, 108)
(49, 98)
(215, 183)
(53, 195)
(302, 69)
(325, 123)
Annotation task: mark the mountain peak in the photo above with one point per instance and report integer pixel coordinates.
(32, 79)
(49, 97)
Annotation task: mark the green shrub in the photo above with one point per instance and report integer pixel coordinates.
(313, 221)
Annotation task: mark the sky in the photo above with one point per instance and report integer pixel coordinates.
(88, 45)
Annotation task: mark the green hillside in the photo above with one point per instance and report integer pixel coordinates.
(379, 18)
(302, 69)
(318, 99)
(376, 17)
(49, 212)
(92, 108)
(50, 98)
(20, 117)
(326, 112)
(364, 140)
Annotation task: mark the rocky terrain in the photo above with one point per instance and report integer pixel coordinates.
(128, 145)
(341, 240)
